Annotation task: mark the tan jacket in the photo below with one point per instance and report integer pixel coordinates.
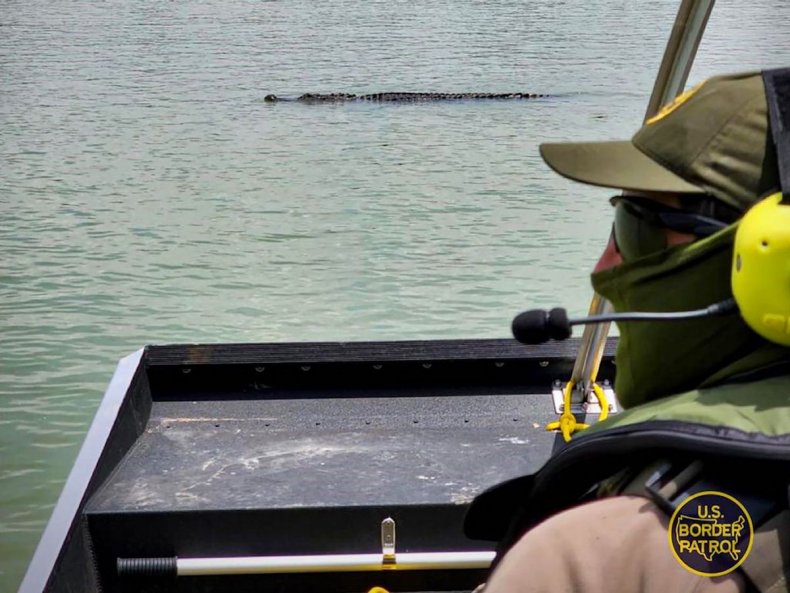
(613, 545)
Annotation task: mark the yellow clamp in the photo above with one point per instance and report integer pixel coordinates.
(567, 424)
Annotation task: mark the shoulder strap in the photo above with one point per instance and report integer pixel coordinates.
(767, 567)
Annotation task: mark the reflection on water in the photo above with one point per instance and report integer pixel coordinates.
(149, 195)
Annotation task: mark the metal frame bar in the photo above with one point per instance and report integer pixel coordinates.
(679, 54)
(77, 487)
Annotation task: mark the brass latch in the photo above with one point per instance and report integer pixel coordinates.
(388, 541)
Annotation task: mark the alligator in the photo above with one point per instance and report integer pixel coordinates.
(398, 97)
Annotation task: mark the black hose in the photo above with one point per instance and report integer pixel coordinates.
(148, 567)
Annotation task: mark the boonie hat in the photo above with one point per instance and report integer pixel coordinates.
(712, 139)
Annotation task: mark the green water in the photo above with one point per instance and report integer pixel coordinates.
(148, 195)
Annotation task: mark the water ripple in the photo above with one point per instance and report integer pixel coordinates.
(149, 195)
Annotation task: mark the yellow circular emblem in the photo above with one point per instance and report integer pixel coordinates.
(673, 104)
(711, 533)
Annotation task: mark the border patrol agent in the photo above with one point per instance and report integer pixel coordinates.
(707, 400)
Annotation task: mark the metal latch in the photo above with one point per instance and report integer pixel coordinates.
(388, 541)
(583, 401)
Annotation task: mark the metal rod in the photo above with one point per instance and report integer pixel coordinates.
(679, 55)
(279, 564)
(585, 369)
(318, 563)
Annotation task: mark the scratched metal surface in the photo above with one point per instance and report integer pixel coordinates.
(344, 452)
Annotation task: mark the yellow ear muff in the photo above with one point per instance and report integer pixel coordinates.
(761, 269)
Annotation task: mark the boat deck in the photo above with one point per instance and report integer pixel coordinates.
(350, 449)
(217, 451)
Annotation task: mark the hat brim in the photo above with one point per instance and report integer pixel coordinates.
(616, 164)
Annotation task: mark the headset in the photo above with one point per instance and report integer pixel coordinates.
(760, 276)
(761, 255)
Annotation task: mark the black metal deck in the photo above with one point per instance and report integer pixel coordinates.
(356, 451)
(299, 449)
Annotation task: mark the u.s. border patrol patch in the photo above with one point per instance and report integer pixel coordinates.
(711, 533)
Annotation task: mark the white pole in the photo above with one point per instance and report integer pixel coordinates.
(332, 563)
